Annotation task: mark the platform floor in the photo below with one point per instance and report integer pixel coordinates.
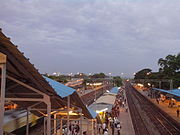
(126, 123)
(164, 106)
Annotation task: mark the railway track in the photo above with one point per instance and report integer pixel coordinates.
(138, 123)
(162, 122)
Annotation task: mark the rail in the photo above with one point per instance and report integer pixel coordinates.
(164, 124)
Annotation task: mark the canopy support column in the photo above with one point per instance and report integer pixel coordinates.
(27, 122)
(3, 83)
(55, 124)
(92, 127)
(61, 124)
(81, 122)
(48, 116)
(159, 84)
(88, 127)
(68, 106)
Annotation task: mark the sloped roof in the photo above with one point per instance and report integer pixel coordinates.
(19, 67)
(92, 112)
(61, 90)
(65, 91)
(174, 92)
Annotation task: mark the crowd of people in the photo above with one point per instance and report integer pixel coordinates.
(74, 129)
(112, 119)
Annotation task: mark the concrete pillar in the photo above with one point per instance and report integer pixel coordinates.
(159, 84)
(44, 125)
(55, 124)
(61, 127)
(3, 83)
(92, 127)
(27, 122)
(81, 122)
(49, 119)
(88, 127)
(68, 106)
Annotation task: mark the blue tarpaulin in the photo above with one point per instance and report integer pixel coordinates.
(175, 92)
(61, 89)
(92, 112)
(64, 91)
(114, 90)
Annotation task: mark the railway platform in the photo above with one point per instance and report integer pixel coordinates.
(126, 123)
(163, 106)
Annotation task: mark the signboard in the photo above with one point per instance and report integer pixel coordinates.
(2, 58)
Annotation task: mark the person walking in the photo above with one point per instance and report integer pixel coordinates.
(118, 128)
(104, 127)
(106, 132)
(126, 108)
(177, 112)
(112, 126)
(99, 128)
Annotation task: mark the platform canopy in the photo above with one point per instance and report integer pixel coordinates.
(114, 90)
(175, 93)
(64, 91)
(104, 103)
(23, 81)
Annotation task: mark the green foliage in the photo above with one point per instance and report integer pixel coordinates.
(169, 65)
(143, 74)
(169, 69)
(80, 75)
(100, 75)
(117, 81)
(61, 78)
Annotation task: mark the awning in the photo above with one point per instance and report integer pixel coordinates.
(175, 93)
(114, 90)
(61, 90)
(93, 113)
(65, 91)
(105, 102)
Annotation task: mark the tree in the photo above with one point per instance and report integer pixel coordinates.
(143, 74)
(100, 75)
(169, 69)
(117, 81)
(169, 65)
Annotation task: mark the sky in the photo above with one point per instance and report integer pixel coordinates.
(91, 36)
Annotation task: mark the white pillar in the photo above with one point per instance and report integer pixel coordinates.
(88, 127)
(44, 125)
(3, 82)
(49, 118)
(61, 127)
(27, 122)
(92, 127)
(55, 124)
(81, 126)
(68, 106)
(96, 127)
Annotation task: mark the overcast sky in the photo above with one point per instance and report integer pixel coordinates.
(93, 35)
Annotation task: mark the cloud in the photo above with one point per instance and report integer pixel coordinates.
(93, 36)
